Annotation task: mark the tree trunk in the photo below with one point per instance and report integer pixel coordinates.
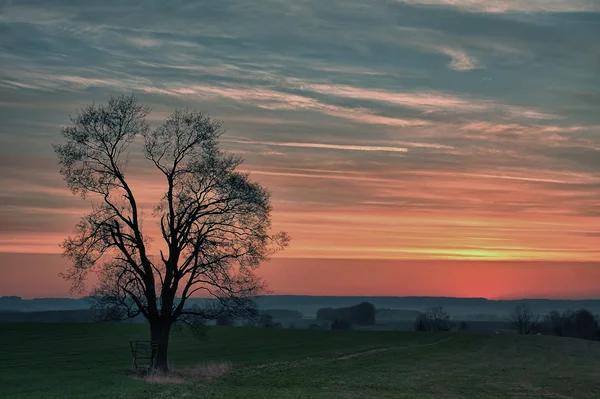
(159, 332)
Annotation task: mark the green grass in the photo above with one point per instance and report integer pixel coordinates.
(88, 360)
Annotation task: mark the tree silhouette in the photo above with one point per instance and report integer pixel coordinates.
(438, 319)
(214, 221)
(523, 320)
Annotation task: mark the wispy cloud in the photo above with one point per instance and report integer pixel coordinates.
(408, 128)
(504, 6)
(343, 147)
(461, 61)
(424, 101)
(427, 101)
(346, 147)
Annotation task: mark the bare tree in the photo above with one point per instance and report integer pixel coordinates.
(213, 220)
(434, 319)
(438, 319)
(523, 320)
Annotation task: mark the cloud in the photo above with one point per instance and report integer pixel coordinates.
(329, 146)
(426, 101)
(513, 6)
(461, 61)
(432, 125)
(344, 147)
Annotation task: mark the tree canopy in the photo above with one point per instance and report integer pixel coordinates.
(214, 221)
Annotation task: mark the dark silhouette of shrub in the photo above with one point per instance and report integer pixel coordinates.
(586, 326)
(553, 324)
(463, 326)
(523, 320)
(434, 319)
(421, 323)
(438, 318)
(266, 320)
(341, 324)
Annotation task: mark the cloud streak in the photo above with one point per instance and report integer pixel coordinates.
(343, 147)
(514, 6)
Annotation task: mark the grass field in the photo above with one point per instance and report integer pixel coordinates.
(89, 360)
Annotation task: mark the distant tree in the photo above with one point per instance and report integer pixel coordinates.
(421, 323)
(266, 320)
(523, 320)
(585, 324)
(463, 326)
(326, 314)
(362, 314)
(562, 325)
(579, 324)
(554, 324)
(213, 220)
(438, 319)
(435, 319)
(341, 324)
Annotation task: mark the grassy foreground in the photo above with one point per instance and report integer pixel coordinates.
(88, 360)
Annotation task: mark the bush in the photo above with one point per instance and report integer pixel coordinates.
(586, 326)
(266, 320)
(439, 319)
(434, 319)
(463, 326)
(523, 320)
(421, 323)
(341, 324)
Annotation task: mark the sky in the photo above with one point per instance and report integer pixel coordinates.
(413, 147)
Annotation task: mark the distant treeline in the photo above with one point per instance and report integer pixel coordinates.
(308, 305)
(51, 316)
(279, 314)
(18, 304)
(362, 314)
(575, 324)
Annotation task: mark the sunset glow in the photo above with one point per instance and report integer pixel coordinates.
(412, 147)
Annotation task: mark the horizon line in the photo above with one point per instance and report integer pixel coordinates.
(350, 296)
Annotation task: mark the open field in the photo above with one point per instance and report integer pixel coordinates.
(88, 360)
